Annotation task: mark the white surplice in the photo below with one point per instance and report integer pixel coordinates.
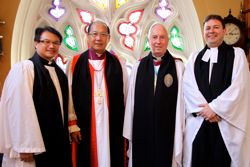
(232, 106)
(19, 127)
(179, 123)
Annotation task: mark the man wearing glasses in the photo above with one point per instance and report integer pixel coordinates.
(96, 79)
(34, 108)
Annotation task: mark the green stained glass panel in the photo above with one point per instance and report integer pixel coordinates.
(69, 39)
(175, 38)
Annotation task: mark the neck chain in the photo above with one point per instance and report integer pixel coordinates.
(98, 75)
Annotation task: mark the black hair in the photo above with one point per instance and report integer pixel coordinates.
(214, 17)
(40, 30)
(94, 22)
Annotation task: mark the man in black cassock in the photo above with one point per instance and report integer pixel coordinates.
(96, 78)
(34, 108)
(154, 115)
(216, 91)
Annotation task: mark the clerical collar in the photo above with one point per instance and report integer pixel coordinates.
(95, 56)
(157, 60)
(211, 54)
(45, 61)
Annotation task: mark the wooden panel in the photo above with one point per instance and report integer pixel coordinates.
(8, 11)
(246, 12)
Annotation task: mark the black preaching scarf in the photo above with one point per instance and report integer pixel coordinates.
(82, 98)
(54, 131)
(208, 147)
(154, 114)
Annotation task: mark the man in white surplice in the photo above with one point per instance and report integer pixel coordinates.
(216, 92)
(34, 108)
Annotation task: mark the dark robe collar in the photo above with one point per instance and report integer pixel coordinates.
(45, 61)
(154, 113)
(221, 73)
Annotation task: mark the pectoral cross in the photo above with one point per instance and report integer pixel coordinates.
(99, 95)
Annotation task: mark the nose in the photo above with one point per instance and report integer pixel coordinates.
(98, 36)
(52, 45)
(211, 30)
(158, 40)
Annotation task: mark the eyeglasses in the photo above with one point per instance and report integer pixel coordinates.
(95, 34)
(48, 42)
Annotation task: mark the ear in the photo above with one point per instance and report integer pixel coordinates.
(224, 31)
(35, 44)
(108, 40)
(88, 38)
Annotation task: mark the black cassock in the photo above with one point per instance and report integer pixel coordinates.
(54, 131)
(208, 146)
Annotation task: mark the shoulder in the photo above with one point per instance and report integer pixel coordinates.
(239, 54)
(239, 51)
(142, 59)
(178, 60)
(112, 56)
(73, 61)
(192, 57)
(115, 59)
(24, 65)
(20, 73)
(240, 58)
(179, 64)
(76, 57)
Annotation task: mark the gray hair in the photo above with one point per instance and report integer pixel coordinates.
(98, 22)
(152, 26)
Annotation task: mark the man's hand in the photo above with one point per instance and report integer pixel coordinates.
(216, 118)
(208, 114)
(26, 157)
(76, 137)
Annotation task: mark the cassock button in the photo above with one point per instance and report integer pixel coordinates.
(168, 80)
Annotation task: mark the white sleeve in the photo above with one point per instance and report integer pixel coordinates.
(129, 112)
(232, 104)
(125, 79)
(19, 126)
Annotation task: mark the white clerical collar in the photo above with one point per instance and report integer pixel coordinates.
(158, 58)
(211, 54)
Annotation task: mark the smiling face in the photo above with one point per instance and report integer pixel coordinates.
(98, 37)
(158, 40)
(48, 45)
(213, 33)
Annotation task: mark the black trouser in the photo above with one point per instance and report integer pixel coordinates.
(209, 149)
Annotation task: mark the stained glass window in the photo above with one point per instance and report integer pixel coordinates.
(119, 3)
(176, 39)
(69, 38)
(163, 11)
(128, 20)
(56, 11)
(129, 29)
